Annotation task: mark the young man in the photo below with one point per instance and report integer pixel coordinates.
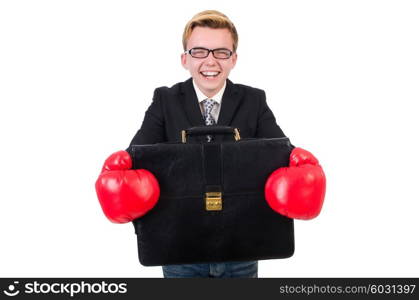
(210, 42)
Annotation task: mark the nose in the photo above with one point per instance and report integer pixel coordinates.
(210, 59)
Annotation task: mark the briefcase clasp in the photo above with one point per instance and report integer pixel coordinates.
(213, 201)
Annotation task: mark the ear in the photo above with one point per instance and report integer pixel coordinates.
(183, 58)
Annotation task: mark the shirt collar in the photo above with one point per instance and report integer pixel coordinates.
(201, 97)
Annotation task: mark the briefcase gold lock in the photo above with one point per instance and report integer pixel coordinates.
(213, 201)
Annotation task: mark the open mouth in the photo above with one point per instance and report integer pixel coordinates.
(210, 74)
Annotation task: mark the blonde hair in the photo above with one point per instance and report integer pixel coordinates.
(212, 19)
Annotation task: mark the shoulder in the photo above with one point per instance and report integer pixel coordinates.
(176, 89)
(248, 91)
(251, 97)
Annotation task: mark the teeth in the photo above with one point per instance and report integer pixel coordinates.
(210, 73)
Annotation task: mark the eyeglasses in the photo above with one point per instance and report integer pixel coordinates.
(220, 53)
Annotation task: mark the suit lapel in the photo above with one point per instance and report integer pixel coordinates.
(190, 104)
(229, 104)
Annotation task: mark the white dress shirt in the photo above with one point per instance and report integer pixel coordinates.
(215, 112)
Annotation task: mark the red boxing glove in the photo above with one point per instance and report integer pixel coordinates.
(125, 194)
(297, 191)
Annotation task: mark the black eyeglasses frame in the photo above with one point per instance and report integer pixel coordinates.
(208, 52)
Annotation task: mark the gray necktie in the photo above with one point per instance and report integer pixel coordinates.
(209, 120)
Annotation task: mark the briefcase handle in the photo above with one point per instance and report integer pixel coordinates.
(210, 130)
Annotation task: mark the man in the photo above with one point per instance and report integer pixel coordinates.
(210, 42)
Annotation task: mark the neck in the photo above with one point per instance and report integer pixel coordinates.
(211, 93)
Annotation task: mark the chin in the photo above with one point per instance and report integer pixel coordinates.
(218, 84)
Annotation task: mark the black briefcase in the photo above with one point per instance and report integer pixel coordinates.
(212, 206)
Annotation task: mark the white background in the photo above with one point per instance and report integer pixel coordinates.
(76, 77)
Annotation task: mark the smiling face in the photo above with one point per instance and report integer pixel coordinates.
(209, 73)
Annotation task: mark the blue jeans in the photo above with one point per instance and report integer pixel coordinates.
(248, 269)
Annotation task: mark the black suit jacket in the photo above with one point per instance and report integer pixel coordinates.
(177, 108)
